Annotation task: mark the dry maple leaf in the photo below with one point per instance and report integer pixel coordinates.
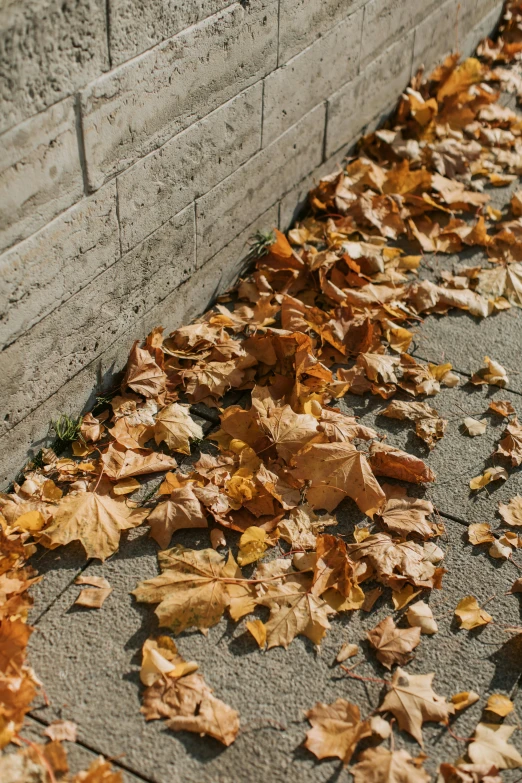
(419, 615)
(491, 746)
(393, 644)
(288, 431)
(120, 462)
(337, 471)
(512, 512)
(489, 475)
(412, 700)
(392, 462)
(511, 444)
(493, 374)
(182, 510)
(336, 730)
(480, 533)
(502, 407)
(407, 515)
(470, 613)
(143, 375)
(428, 424)
(503, 280)
(338, 427)
(302, 526)
(469, 773)
(61, 730)
(175, 426)
(96, 520)
(195, 588)
(379, 765)
(182, 696)
(333, 568)
(394, 562)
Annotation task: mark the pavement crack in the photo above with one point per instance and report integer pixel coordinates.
(62, 591)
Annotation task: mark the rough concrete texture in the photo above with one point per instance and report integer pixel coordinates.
(285, 100)
(137, 25)
(43, 272)
(223, 212)
(385, 21)
(41, 173)
(181, 306)
(90, 660)
(187, 166)
(48, 48)
(136, 108)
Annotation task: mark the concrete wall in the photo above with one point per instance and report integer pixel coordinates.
(142, 142)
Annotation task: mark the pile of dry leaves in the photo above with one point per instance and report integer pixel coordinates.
(328, 309)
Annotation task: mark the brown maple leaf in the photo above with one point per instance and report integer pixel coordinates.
(393, 644)
(176, 427)
(336, 730)
(392, 462)
(94, 519)
(395, 562)
(511, 513)
(182, 510)
(120, 462)
(413, 701)
(405, 515)
(339, 428)
(288, 431)
(428, 424)
(380, 765)
(511, 445)
(143, 374)
(337, 471)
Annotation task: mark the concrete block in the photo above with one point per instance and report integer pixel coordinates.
(354, 105)
(138, 25)
(40, 172)
(45, 270)
(48, 49)
(140, 105)
(302, 21)
(443, 32)
(386, 21)
(307, 79)
(180, 306)
(59, 346)
(233, 204)
(488, 15)
(164, 182)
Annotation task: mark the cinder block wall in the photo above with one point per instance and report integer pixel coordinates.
(142, 142)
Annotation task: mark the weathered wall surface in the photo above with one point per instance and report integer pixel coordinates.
(142, 142)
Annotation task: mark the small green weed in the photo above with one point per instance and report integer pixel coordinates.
(260, 243)
(66, 428)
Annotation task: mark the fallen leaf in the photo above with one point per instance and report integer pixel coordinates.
(470, 614)
(302, 527)
(393, 644)
(336, 730)
(493, 374)
(94, 581)
(429, 425)
(491, 746)
(464, 699)
(120, 462)
(408, 515)
(511, 513)
(126, 486)
(503, 280)
(412, 700)
(499, 704)
(252, 545)
(143, 375)
(474, 427)
(176, 427)
(502, 407)
(258, 630)
(402, 598)
(500, 550)
(93, 597)
(379, 765)
(511, 444)
(181, 511)
(61, 730)
(288, 431)
(347, 651)
(489, 475)
(480, 533)
(380, 727)
(392, 462)
(93, 519)
(419, 615)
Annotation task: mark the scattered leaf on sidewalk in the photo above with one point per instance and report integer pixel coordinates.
(336, 730)
(347, 651)
(258, 630)
(464, 699)
(470, 614)
(489, 475)
(474, 427)
(493, 374)
(502, 407)
(491, 746)
(511, 445)
(379, 765)
(499, 704)
(480, 533)
(393, 645)
(61, 731)
(511, 512)
(419, 615)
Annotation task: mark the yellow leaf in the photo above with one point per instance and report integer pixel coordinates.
(499, 704)
(252, 545)
(126, 486)
(464, 699)
(470, 614)
(258, 630)
(31, 521)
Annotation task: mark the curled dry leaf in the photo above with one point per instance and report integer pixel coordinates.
(499, 704)
(474, 427)
(502, 407)
(493, 374)
(336, 730)
(120, 462)
(470, 614)
(393, 644)
(481, 533)
(182, 696)
(61, 731)
(347, 651)
(511, 445)
(406, 515)
(143, 374)
(93, 597)
(428, 424)
(412, 700)
(489, 475)
(252, 545)
(468, 773)
(464, 699)
(392, 462)
(500, 550)
(512, 512)
(302, 526)
(380, 727)
(258, 630)
(402, 597)
(419, 615)
(491, 746)
(380, 765)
